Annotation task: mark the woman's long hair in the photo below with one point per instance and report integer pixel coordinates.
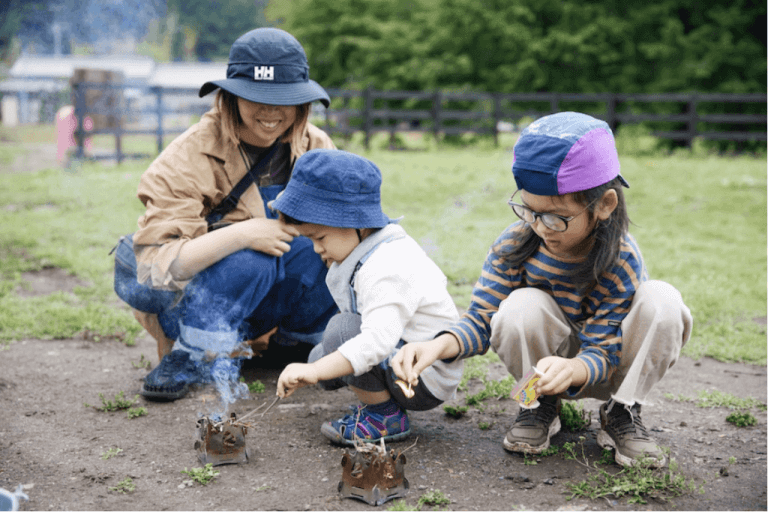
(607, 236)
(231, 121)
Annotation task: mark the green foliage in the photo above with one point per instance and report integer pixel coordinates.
(573, 417)
(552, 450)
(741, 419)
(717, 398)
(484, 425)
(493, 389)
(142, 363)
(562, 46)
(433, 498)
(124, 486)
(135, 412)
(120, 403)
(203, 475)
(254, 387)
(399, 505)
(111, 452)
(455, 411)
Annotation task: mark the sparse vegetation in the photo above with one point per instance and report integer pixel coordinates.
(717, 398)
(455, 411)
(120, 403)
(135, 412)
(433, 498)
(254, 387)
(741, 419)
(573, 417)
(124, 486)
(111, 452)
(142, 363)
(204, 475)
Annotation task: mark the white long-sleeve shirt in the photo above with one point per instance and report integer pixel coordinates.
(400, 293)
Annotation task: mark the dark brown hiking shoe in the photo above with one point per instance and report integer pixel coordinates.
(533, 427)
(622, 430)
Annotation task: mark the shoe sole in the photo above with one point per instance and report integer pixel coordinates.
(163, 396)
(335, 438)
(604, 440)
(521, 447)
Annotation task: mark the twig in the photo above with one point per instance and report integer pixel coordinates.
(270, 406)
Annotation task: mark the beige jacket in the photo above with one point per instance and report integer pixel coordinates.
(189, 178)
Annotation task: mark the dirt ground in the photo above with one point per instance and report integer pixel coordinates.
(54, 445)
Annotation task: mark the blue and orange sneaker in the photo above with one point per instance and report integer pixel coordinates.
(369, 423)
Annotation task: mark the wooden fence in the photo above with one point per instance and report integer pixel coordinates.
(678, 117)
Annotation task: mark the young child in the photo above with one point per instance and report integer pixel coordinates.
(565, 289)
(389, 293)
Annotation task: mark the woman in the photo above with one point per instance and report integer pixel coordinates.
(243, 275)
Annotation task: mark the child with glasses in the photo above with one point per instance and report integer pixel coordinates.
(565, 290)
(389, 293)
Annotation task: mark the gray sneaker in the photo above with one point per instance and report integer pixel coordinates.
(533, 427)
(622, 430)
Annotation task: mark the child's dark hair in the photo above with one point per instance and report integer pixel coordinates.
(290, 220)
(607, 235)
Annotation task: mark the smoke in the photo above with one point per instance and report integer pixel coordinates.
(100, 23)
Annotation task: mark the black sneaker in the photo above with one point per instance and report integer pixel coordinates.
(534, 427)
(622, 429)
(172, 378)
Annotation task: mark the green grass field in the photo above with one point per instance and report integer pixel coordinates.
(700, 221)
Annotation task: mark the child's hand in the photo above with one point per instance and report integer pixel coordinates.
(413, 358)
(295, 375)
(559, 374)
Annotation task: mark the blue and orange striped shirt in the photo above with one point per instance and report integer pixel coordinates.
(598, 311)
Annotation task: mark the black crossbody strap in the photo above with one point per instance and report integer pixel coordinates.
(229, 203)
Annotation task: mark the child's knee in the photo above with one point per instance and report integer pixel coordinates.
(341, 327)
(662, 304)
(524, 310)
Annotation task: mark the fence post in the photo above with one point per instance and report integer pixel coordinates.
(496, 117)
(693, 118)
(118, 117)
(79, 117)
(367, 121)
(437, 107)
(159, 92)
(611, 114)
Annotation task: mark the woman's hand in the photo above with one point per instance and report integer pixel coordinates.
(413, 358)
(559, 374)
(267, 235)
(294, 376)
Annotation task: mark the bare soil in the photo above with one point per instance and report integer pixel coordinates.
(54, 445)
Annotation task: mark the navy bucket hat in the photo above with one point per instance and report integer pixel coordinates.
(268, 65)
(333, 188)
(564, 153)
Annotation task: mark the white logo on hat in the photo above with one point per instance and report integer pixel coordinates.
(263, 72)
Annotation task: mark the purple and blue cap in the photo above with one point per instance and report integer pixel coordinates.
(565, 153)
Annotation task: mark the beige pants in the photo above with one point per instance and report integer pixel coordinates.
(530, 325)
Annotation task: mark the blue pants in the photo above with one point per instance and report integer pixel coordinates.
(247, 293)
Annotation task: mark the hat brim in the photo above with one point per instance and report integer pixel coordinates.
(327, 213)
(270, 93)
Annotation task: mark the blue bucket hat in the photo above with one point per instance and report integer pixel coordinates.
(268, 65)
(334, 188)
(564, 153)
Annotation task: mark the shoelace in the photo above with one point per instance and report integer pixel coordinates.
(625, 421)
(545, 412)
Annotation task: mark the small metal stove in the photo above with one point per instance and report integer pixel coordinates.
(221, 442)
(372, 475)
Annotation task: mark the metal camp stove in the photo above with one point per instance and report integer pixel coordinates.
(221, 442)
(372, 475)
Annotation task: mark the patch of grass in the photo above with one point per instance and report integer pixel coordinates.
(254, 387)
(455, 411)
(135, 412)
(638, 482)
(484, 425)
(741, 419)
(142, 363)
(715, 398)
(493, 389)
(573, 417)
(125, 486)
(400, 505)
(204, 475)
(120, 403)
(433, 498)
(111, 452)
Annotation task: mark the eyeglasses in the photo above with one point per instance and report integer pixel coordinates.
(552, 221)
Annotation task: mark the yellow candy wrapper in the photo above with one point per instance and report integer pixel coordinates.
(524, 392)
